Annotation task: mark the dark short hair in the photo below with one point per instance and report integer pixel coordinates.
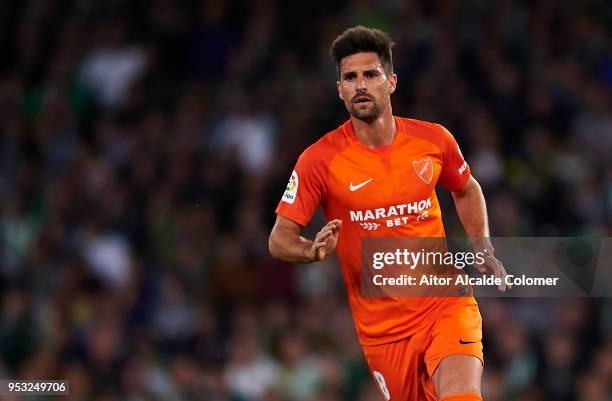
(360, 39)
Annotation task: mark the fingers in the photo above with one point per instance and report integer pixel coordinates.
(493, 265)
(480, 267)
(322, 239)
(319, 245)
(320, 253)
(335, 225)
(503, 274)
(499, 272)
(322, 236)
(330, 229)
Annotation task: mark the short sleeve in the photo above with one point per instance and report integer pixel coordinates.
(305, 190)
(455, 170)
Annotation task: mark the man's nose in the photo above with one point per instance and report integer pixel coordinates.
(361, 84)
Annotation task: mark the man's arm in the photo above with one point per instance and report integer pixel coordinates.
(472, 211)
(286, 243)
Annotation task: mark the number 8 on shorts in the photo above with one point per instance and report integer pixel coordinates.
(381, 383)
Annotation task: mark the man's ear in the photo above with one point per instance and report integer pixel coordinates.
(339, 92)
(392, 83)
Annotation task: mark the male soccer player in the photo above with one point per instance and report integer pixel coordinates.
(416, 348)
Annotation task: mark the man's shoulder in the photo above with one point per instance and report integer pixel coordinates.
(329, 145)
(412, 125)
(426, 130)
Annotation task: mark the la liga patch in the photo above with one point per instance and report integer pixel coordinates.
(292, 188)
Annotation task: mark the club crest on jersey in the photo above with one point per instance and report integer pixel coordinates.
(424, 169)
(292, 188)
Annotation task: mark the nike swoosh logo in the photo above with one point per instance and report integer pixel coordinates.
(466, 342)
(356, 187)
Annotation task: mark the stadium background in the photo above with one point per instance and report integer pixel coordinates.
(144, 146)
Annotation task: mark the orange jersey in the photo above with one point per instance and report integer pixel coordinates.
(382, 192)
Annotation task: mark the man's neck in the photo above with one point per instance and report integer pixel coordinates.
(379, 132)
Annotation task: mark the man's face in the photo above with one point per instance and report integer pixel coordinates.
(364, 86)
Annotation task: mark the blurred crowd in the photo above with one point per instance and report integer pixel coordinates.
(144, 146)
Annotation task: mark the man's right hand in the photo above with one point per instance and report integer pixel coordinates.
(326, 240)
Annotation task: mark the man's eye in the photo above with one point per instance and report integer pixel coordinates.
(349, 78)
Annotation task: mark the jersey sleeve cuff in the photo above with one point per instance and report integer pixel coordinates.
(301, 220)
(461, 182)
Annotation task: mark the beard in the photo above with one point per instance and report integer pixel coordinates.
(368, 114)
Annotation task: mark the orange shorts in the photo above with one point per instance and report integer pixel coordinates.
(403, 369)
